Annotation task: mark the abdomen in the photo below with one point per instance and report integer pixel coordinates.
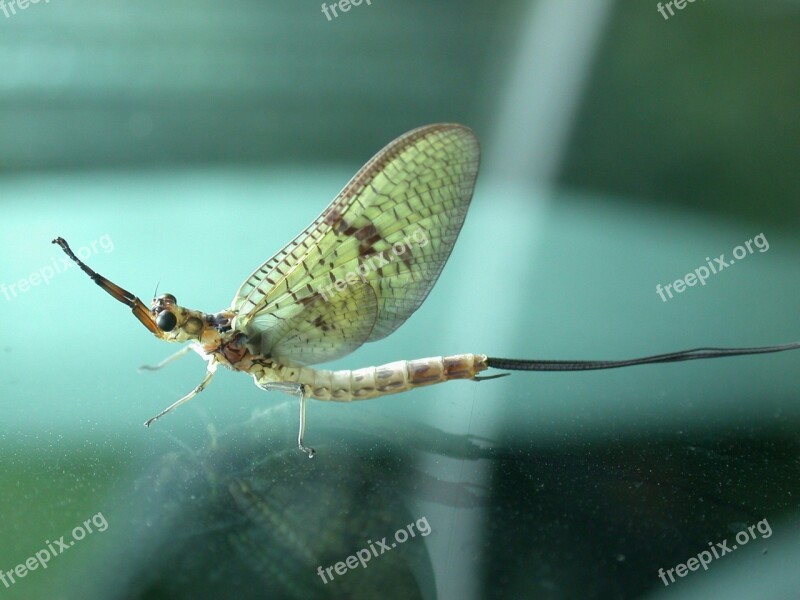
(391, 378)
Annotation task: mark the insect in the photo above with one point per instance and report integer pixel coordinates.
(354, 276)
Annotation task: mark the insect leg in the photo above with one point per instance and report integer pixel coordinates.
(212, 367)
(295, 389)
(171, 358)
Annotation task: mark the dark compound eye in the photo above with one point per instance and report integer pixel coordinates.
(168, 299)
(166, 321)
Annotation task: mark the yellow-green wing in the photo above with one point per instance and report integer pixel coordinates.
(323, 331)
(392, 227)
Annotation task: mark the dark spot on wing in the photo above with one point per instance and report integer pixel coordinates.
(367, 236)
(333, 217)
(321, 323)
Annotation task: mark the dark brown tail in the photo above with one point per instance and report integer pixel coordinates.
(513, 364)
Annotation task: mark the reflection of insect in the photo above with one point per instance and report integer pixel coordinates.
(354, 276)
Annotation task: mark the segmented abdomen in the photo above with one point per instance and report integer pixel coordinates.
(391, 378)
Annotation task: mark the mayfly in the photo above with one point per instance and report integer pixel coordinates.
(354, 276)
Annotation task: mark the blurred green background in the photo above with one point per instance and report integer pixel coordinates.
(190, 141)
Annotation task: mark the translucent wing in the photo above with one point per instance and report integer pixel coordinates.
(323, 331)
(392, 227)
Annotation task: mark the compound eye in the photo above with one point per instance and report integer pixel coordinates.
(168, 299)
(166, 321)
